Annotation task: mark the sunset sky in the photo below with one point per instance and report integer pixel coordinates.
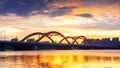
(90, 18)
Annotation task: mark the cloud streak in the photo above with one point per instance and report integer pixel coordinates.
(86, 15)
(99, 2)
(109, 23)
(61, 11)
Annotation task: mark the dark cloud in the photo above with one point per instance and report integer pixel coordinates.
(99, 2)
(89, 2)
(55, 11)
(87, 15)
(62, 11)
(25, 7)
(22, 7)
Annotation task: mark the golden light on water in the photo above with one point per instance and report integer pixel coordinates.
(79, 61)
(61, 59)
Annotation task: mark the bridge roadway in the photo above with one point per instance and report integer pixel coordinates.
(18, 46)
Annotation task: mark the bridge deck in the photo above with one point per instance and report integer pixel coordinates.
(49, 46)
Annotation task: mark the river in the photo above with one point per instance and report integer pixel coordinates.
(60, 59)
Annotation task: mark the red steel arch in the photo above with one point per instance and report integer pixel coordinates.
(33, 34)
(53, 32)
(45, 35)
(79, 37)
(68, 37)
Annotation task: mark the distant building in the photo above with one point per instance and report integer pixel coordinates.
(14, 40)
(91, 42)
(115, 41)
(106, 41)
(87, 42)
(97, 42)
(31, 40)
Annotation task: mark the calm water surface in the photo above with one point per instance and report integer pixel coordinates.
(60, 59)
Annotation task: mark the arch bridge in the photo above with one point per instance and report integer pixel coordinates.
(58, 34)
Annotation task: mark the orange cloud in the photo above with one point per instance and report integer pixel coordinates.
(98, 11)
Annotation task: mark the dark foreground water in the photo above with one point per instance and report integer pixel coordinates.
(60, 59)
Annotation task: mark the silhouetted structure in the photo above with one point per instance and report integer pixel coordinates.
(104, 41)
(32, 44)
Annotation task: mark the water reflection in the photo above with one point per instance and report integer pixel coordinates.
(59, 60)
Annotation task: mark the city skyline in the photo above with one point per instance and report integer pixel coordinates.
(90, 18)
(57, 41)
(59, 38)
